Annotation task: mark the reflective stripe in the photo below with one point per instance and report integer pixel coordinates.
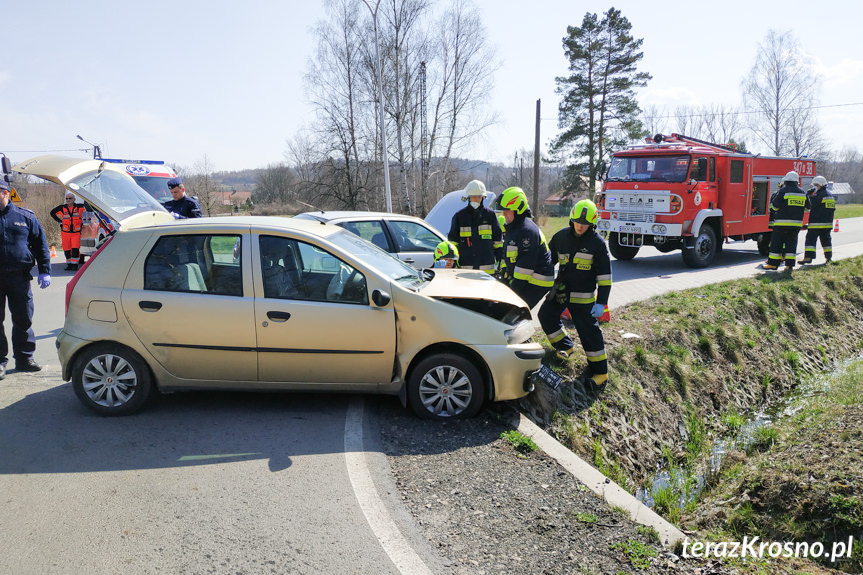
(541, 280)
(556, 336)
(774, 255)
(582, 256)
(591, 355)
(464, 232)
(563, 259)
(604, 278)
(582, 297)
(497, 245)
(826, 226)
(522, 271)
(788, 223)
(484, 231)
(519, 276)
(603, 283)
(487, 267)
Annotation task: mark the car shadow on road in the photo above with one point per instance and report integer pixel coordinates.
(50, 432)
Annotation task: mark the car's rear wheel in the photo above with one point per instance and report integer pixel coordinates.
(111, 379)
(445, 386)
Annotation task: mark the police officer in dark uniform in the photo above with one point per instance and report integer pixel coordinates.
(182, 206)
(528, 269)
(22, 244)
(787, 205)
(582, 286)
(476, 232)
(823, 208)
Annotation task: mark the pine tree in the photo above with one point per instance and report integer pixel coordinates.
(599, 111)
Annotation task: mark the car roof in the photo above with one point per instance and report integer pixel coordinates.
(257, 222)
(345, 215)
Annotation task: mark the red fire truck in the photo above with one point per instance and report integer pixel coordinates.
(676, 192)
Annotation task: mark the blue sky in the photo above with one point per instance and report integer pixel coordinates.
(183, 79)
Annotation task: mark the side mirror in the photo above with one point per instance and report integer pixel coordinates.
(381, 298)
(6, 165)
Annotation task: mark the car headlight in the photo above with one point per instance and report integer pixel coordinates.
(520, 333)
(658, 229)
(603, 224)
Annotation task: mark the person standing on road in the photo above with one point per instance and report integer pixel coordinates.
(476, 231)
(22, 244)
(788, 206)
(182, 206)
(529, 271)
(68, 215)
(823, 207)
(582, 286)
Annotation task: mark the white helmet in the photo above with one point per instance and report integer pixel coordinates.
(474, 188)
(819, 181)
(791, 177)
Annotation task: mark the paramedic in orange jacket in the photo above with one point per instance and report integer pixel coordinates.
(68, 216)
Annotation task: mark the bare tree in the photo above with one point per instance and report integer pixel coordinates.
(202, 184)
(275, 185)
(779, 88)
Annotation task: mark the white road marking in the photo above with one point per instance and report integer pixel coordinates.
(387, 532)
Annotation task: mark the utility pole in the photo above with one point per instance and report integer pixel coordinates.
(536, 163)
(381, 103)
(425, 153)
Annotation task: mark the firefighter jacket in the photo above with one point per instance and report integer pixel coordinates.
(788, 205)
(22, 241)
(477, 234)
(584, 265)
(823, 206)
(526, 254)
(69, 217)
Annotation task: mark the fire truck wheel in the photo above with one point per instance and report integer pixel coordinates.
(703, 250)
(622, 253)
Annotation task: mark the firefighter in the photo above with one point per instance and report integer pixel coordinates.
(446, 255)
(68, 215)
(476, 231)
(529, 270)
(582, 286)
(787, 205)
(823, 207)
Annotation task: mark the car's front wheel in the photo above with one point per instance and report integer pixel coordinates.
(445, 386)
(111, 379)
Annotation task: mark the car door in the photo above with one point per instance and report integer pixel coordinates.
(185, 301)
(314, 321)
(415, 242)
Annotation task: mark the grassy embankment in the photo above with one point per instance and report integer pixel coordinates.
(703, 358)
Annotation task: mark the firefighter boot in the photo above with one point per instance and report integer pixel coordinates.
(768, 267)
(806, 260)
(566, 353)
(596, 385)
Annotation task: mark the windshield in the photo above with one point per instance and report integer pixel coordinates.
(649, 168)
(384, 262)
(115, 194)
(156, 187)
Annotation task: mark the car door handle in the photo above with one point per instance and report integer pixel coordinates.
(408, 260)
(278, 315)
(150, 305)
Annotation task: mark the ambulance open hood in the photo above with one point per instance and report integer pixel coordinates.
(111, 191)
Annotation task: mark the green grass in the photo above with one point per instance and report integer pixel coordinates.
(522, 444)
(586, 517)
(848, 211)
(636, 552)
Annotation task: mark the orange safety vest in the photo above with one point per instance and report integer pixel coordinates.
(71, 219)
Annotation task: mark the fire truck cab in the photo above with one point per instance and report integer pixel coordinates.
(677, 192)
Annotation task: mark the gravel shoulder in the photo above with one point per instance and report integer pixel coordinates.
(487, 509)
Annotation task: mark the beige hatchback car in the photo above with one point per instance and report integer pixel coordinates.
(265, 303)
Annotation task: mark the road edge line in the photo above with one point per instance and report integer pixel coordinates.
(394, 543)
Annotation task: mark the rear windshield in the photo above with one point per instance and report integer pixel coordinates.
(114, 193)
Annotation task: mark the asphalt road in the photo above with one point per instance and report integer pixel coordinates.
(231, 483)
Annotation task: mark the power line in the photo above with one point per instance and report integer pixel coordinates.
(742, 112)
(44, 151)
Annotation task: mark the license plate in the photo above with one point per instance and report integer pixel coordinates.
(548, 376)
(630, 229)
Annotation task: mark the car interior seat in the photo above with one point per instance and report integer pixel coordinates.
(380, 240)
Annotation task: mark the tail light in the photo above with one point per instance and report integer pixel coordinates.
(74, 281)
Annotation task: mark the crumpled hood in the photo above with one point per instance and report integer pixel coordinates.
(469, 284)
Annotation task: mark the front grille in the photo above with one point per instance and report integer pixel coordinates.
(636, 217)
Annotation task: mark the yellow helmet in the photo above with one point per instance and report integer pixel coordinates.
(514, 199)
(584, 212)
(446, 250)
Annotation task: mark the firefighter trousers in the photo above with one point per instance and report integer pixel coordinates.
(783, 245)
(586, 325)
(812, 237)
